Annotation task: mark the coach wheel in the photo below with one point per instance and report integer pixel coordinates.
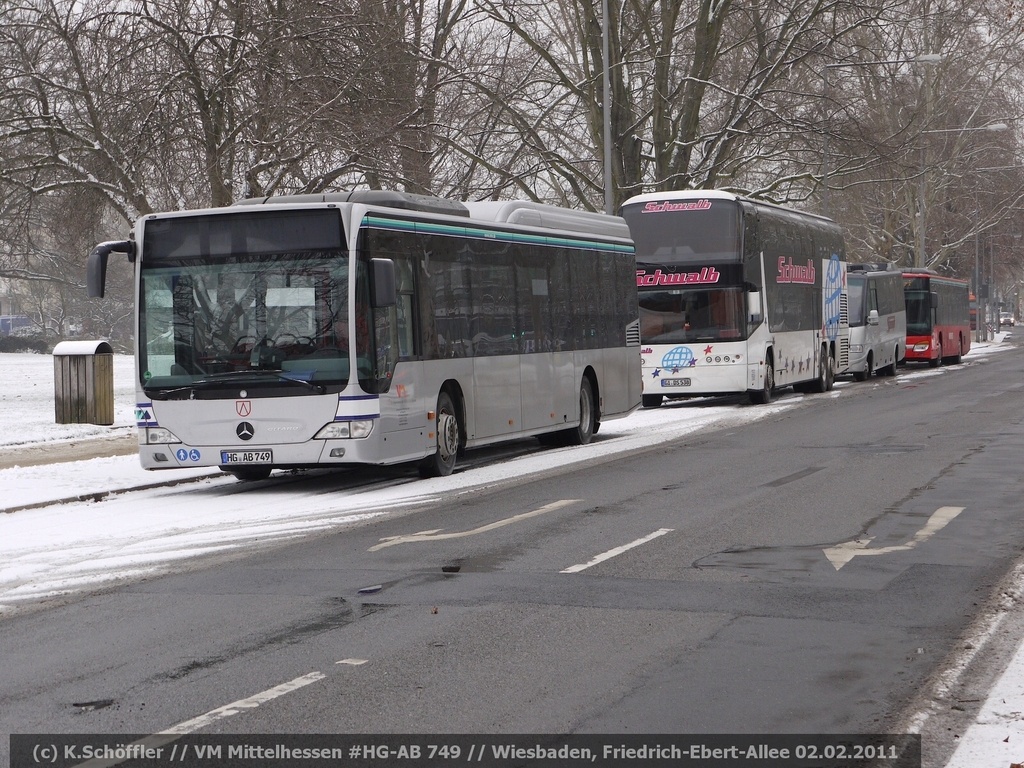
(826, 374)
(652, 401)
(442, 462)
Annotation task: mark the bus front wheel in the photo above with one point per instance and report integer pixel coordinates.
(582, 433)
(446, 428)
(763, 396)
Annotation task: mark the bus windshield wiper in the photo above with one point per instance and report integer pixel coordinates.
(233, 377)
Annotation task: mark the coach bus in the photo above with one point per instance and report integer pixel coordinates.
(736, 296)
(938, 317)
(878, 320)
(375, 327)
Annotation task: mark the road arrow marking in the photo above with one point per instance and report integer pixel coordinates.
(841, 554)
(436, 535)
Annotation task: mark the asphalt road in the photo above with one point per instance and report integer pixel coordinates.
(808, 573)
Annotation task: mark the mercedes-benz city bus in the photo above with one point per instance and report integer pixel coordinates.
(736, 296)
(878, 320)
(375, 327)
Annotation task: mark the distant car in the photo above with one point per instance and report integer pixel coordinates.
(1006, 318)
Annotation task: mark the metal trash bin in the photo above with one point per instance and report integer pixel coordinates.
(83, 382)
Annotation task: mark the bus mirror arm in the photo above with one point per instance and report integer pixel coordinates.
(96, 266)
(934, 299)
(385, 291)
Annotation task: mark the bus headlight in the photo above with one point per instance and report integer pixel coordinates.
(856, 348)
(159, 436)
(343, 430)
(922, 347)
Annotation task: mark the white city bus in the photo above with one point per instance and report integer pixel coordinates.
(878, 320)
(375, 328)
(736, 296)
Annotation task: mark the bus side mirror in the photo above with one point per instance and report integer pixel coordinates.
(873, 317)
(385, 290)
(96, 265)
(935, 299)
(754, 315)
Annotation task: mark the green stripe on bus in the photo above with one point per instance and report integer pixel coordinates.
(402, 225)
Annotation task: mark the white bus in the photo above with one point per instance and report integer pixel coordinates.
(375, 327)
(736, 296)
(878, 320)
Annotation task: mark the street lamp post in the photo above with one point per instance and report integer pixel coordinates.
(924, 58)
(609, 192)
(922, 203)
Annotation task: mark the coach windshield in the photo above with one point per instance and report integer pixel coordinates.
(688, 316)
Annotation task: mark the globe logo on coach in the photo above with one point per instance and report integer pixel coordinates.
(833, 294)
(679, 357)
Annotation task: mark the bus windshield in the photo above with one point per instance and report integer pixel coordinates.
(212, 319)
(919, 312)
(856, 289)
(692, 315)
(694, 231)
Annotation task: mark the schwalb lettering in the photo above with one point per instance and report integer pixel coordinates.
(670, 207)
(706, 275)
(795, 273)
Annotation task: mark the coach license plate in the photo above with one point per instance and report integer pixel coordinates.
(246, 457)
(675, 382)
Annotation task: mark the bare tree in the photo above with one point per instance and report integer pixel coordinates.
(910, 151)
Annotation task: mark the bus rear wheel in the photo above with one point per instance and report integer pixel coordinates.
(826, 374)
(652, 401)
(447, 430)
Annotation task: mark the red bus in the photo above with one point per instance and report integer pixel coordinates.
(938, 317)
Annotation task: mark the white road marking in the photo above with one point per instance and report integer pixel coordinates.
(841, 554)
(352, 662)
(173, 733)
(436, 535)
(617, 551)
(242, 704)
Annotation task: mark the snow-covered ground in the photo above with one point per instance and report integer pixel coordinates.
(72, 530)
